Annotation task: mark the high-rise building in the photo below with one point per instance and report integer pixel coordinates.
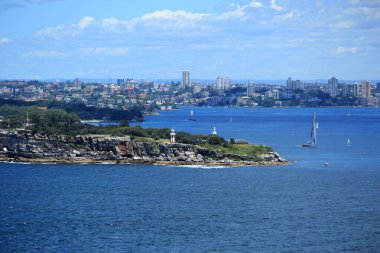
(77, 84)
(185, 79)
(276, 94)
(333, 86)
(346, 90)
(295, 85)
(250, 89)
(366, 90)
(227, 83)
(298, 84)
(289, 84)
(223, 83)
(378, 87)
(120, 81)
(357, 90)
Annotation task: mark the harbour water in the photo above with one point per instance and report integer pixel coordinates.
(302, 207)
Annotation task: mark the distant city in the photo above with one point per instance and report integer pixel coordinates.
(121, 93)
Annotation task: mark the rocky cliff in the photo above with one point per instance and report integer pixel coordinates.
(25, 147)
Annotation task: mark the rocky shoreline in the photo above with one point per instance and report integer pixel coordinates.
(35, 148)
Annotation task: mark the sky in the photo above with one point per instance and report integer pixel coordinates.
(151, 39)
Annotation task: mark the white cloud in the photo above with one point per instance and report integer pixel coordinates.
(288, 16)
(173, 15)
(105, 51)
(167, 19)
(237, 13)
(344, 24)
(110, 21)
(240, 11)
(62, 31)
(346, 50)
(5, 40)
(44, 54)
(275, 7)
(255, 4)
(85, 22)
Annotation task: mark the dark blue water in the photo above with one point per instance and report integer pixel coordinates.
(303, 207)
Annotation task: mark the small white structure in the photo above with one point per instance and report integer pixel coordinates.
(172, 136)
(214, 131)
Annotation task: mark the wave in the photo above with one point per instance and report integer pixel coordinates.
(12, 162)
(199, 167)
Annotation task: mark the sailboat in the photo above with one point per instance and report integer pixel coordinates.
(313, 134)
(231, 120)
(349, 113)
(192, 116)
(348, 142)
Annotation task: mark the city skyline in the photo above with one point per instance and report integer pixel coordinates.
(266, 40)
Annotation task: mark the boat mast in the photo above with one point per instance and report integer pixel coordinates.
(313, 132)
(314, 129)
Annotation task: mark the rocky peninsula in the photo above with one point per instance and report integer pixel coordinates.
(24, 146)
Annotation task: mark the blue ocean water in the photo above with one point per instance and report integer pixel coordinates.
(302, 207)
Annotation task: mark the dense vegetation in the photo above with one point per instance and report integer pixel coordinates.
(134, 112)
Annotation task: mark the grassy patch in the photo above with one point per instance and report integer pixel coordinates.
(241, 149)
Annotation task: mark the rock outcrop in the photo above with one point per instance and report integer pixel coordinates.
(23, 146)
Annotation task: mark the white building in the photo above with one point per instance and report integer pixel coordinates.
(333, 86)
(172, 136)
(77, 84)
(223, 83)
(250, 89)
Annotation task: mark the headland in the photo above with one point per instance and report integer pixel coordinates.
(21, 146)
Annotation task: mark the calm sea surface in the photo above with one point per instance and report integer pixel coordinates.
(302, 207)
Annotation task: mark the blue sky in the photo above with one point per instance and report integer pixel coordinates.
(243, 39)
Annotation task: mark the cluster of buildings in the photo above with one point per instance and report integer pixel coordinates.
(222, 92)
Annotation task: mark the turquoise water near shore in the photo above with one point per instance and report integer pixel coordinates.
(302, 207)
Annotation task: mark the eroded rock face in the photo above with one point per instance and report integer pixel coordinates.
(119, 149)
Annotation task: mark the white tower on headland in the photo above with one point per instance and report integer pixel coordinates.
(172, 136)
(214, 131)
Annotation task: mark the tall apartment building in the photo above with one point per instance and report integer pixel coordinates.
(366, 90)
(357, 90)
(298, 84)
(346, 90)
(289, 84)
(333, 86)
(250, 89)
(185, 79)
(77, 84)
(223, 83)
(294, 85)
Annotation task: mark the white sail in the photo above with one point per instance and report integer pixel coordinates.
(313, 132)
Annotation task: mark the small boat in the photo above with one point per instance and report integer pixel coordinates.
(313, 134)
(192, 116)
(326, 164)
